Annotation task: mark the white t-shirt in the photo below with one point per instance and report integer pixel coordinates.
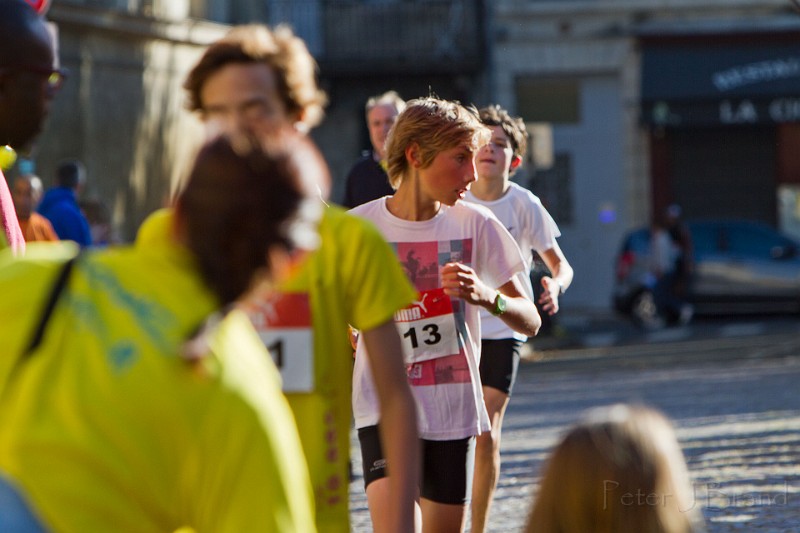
(524, 216)
(441, 336)
(663, 253)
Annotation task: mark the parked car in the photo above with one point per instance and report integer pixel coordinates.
(739, 267)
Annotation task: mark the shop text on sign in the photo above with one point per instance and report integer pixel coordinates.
(751, 112)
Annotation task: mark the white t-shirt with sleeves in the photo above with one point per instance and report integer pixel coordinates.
(441, 336)
(524, 216)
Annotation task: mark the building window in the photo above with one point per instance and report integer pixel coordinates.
(548, 100)
(553, 186)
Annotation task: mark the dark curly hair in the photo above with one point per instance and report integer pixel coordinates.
(513, 127)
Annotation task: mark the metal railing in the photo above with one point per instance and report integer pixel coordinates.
(349, 35)
(415, 35)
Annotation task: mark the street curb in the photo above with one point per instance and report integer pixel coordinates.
(766, 346)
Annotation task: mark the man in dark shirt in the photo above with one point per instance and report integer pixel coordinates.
(29, 78)
(367, 179)
(60, 204)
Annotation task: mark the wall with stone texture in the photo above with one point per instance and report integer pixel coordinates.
(122, 109)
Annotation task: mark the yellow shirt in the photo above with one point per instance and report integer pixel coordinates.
(353, 278)
(107, 428)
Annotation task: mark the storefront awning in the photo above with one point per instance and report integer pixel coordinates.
(694, 84)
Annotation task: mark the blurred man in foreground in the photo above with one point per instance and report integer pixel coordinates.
(29, 78)
(258, 78)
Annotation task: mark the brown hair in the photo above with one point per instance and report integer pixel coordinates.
(278, 48)
(513, 127)
(244, 196)
(621, 469)
(434, 125)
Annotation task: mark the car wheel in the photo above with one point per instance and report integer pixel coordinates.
(644, 312)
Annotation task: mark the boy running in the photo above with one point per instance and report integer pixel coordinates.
(461, 260)
(533, 228)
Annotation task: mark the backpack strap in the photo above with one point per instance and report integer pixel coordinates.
(55, 292)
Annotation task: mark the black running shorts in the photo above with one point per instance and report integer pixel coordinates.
(499, 363)
(447, 466)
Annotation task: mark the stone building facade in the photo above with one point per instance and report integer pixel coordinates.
(627, 91)
(121, 110)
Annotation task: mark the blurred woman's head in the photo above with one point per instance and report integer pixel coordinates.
(621, 469)
(248, 201)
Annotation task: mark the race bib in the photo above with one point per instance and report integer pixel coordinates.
(283, 322)
(428, 327)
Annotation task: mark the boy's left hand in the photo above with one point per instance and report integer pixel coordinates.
(460, 281)
(549, 297)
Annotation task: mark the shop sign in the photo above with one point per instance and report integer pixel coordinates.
(746, 111)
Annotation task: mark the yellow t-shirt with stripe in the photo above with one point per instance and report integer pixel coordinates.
(107, 428)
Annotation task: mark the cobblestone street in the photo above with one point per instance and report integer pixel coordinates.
(735, 403)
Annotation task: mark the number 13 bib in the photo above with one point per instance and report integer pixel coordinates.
(428, 327)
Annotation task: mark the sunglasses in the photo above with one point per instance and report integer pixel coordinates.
(55, 77)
